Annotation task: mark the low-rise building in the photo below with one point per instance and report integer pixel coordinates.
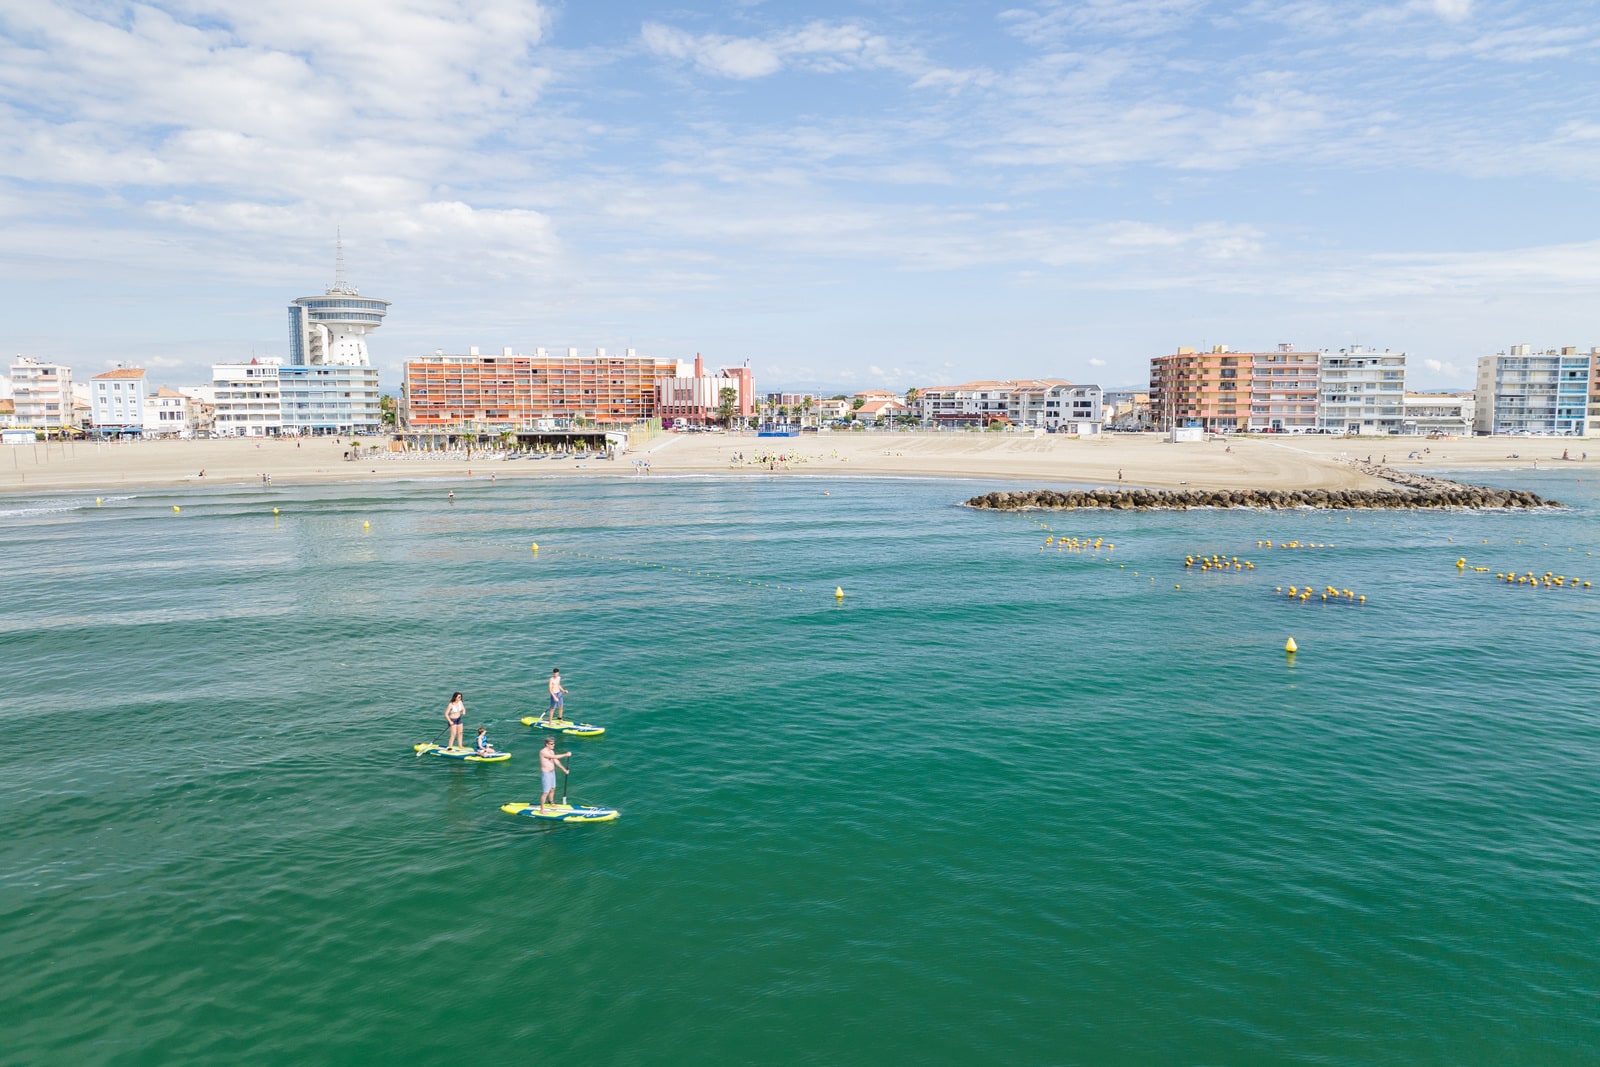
(1039, 403)
(881, 409)
(1361, 391)
(42, 393)
(168, 413)
(1447, 413)
(1521, 391)
(118, 398)
(698, 398)
(249, 402)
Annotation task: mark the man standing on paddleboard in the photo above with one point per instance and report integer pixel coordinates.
(549, 760)
(558, 695)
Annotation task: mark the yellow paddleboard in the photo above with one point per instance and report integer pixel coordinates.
(560, 812)
(470, 755)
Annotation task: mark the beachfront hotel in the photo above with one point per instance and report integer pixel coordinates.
(1527, 392)
(247, 401)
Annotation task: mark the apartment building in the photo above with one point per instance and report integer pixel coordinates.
(1211, 390)
(1361, 391)
(41, 393)
(249, 402)
(1283, 390)
(168, 413)
(118, 398)
(473, 392)
(1521, 391)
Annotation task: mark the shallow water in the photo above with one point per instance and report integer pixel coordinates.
(999, 804)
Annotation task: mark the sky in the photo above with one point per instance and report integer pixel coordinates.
(847, 195)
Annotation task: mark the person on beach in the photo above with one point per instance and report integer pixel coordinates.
(483, 746)
(558, 696)
(549, 760)
(455, 713)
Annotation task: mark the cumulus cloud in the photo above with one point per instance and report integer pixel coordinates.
(1097, 363)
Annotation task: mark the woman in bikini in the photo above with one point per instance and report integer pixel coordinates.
(455, 713)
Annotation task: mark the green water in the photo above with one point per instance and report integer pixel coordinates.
(1000, 805)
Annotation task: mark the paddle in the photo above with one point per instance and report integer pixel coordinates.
(566, 776)
(435, 740)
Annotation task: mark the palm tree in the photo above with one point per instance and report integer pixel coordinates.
(805, 409)
(912, 396)
(726, 396)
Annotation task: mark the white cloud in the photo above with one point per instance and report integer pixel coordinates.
(1097, 363)
(820, 46)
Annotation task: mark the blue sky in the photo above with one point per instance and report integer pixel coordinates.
(851, 194)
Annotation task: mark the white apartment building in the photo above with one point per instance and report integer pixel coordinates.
(1044, 403)
(249, 402)
(1360, 391)
(117, 401)
(42, 393)
(1527, 392)
(168, 413)
(1440, 413)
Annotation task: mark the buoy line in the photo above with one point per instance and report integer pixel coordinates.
(536, 549)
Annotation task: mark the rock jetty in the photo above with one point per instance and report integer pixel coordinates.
(1438, 493)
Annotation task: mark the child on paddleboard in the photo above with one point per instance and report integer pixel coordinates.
(484, 747)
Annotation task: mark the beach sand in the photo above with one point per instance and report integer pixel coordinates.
(1313, 462)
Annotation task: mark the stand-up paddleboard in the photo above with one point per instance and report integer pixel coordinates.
(468, 754)
(560, 812)
(565, 726)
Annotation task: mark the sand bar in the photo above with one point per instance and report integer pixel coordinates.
(1311, 462)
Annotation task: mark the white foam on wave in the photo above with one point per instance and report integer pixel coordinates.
(35, 508)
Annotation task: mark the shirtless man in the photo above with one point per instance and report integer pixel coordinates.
(549, 760)
(556, 711)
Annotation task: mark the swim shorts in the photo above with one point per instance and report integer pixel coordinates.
(556, 700)
(548, 780)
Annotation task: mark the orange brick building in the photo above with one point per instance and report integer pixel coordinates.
(1222, 390)
(457, 392)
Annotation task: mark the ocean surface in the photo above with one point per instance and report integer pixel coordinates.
(1002, 803)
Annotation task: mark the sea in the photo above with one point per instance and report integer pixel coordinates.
(900, 781)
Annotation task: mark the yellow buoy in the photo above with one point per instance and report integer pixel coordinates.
(96, 501)
(838, 592)
(174, 509)
(274, 511)
(1290, 647)
(366, 525)
(535, 548)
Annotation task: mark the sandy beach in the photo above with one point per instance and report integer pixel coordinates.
(1312, 462)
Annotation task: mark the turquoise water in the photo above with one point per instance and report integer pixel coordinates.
(999, 805)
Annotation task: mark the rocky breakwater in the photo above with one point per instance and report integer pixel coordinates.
(1438, 494)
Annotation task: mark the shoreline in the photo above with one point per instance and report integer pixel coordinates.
(1129, 461)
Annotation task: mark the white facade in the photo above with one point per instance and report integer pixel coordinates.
(249, 400)
(1045, 403)
(330, 399)
(1443, 413)
(1360, 391)
(42, 393)
(117, 401)
(1527, 392)
(168, 413)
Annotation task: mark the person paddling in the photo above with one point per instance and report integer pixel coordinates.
(557, 710)
(549, 760)
(455, 713)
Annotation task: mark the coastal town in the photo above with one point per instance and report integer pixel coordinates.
(328, 385)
